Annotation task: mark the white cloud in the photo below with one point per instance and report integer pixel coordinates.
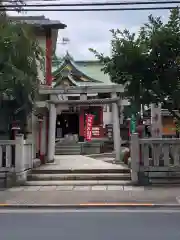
(91, 29)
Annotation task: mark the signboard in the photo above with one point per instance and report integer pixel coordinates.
(169, 129)
(88, 129)
(96, 131)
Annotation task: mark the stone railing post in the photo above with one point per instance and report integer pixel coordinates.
(19, 159)
(134, 157)
(30, 140)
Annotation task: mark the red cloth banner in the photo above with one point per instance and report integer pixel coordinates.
(88, 130)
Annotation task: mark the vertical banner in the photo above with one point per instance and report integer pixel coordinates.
(88, 129)
(132, 124)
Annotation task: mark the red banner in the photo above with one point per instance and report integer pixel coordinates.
(88, 130)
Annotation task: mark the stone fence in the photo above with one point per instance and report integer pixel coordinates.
(154, 160)
(16, 159)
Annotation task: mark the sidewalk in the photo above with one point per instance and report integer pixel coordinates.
(95, 194)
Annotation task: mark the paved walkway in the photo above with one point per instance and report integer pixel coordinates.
(75, 188)
(79, 162)
(79, 195)
(87, 194)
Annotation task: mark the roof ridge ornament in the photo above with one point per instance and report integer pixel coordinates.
(68, 56)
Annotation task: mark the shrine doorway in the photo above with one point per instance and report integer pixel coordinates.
(67, 123)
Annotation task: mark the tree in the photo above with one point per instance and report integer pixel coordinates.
(147, 63)
(56, 61)
(18, 71)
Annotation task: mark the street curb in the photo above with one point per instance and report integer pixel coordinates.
(88, 206)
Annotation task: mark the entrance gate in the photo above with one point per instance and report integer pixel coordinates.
(116, 102)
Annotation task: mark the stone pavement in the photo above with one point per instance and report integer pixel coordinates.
(66, 162)
(85, 194)
(75, 188)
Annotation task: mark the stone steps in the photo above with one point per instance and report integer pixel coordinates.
(68, 149)
(164, 181)
(79, 176)
(79, 183)
(81, 171)
(160, 178)
(77, 148)
(67, 152)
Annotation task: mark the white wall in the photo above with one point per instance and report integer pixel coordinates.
(42, 44)
(41, 72)
(42, 41)
(107, 116)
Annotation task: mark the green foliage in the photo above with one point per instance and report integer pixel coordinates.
(56, 61)
(147, 63)
(19, 81)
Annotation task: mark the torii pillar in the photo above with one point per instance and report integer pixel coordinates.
(116, 128)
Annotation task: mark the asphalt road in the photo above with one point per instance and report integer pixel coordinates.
(90, 225)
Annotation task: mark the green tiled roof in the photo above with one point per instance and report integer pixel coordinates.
(93, 69)
(89, 83)
(90, 70)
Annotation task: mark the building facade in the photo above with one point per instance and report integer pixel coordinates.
(167, 122)
(46, 31)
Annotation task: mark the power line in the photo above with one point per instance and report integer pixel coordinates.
(60, 1)
(43, 7)
(95, 4)
(88, 9)
(15, 1)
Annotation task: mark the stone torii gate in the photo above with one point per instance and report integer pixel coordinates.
(54, 102)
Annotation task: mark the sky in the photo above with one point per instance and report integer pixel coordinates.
(91, 29)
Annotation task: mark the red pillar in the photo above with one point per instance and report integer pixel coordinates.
(101, 130)
(101, 122)
(48, 57)
(48, 72)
